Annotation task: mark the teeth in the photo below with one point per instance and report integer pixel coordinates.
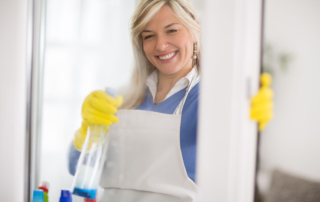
(167, 57)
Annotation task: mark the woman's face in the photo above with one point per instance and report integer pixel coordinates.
(167, 43)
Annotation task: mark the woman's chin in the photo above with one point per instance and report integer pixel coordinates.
(168, 70)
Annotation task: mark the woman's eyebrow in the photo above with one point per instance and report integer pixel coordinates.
(164, 27)
(146, 31)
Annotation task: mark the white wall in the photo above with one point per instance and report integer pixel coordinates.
(292, 140)
(13, 35)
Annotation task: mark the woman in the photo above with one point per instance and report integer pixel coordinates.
(153, 148)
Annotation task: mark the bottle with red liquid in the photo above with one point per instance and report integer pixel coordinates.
(90, 200)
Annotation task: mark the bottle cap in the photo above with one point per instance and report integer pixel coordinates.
(37, 196)
(65, 196)
(44, 186)
(44, 189)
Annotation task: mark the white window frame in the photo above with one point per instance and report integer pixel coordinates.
(227, 138)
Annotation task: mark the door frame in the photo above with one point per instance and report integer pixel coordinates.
(227, 138)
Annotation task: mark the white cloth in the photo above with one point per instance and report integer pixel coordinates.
(144, 161)
(152, 82)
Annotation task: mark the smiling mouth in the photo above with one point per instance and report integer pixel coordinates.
(168, 56)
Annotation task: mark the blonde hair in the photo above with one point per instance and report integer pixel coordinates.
(146, 9)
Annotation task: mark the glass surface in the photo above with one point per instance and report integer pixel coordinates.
(291, 141)
(87, 48)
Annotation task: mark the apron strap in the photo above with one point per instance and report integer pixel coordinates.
(195, 80)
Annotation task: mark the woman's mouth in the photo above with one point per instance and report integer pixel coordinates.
(168, 57)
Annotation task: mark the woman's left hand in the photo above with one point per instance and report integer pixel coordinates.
(261, 103)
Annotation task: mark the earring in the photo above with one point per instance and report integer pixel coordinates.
(194, 51)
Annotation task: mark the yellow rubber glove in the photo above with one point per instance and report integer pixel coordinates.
(261, 103)
(98, 109)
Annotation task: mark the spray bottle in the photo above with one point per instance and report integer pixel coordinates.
(91, 161)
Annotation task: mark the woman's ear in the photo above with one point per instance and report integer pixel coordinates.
(194, 40)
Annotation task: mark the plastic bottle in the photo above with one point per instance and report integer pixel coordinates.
(65, 196)
(37, 196)
(91, 160)
(90, 163)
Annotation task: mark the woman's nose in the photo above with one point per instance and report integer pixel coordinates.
(162, 44)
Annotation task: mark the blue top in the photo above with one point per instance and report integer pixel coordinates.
(188, 128)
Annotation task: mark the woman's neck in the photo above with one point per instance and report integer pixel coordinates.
(167, 82)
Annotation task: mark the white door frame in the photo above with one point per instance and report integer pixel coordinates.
(13, 91)
(230, 70)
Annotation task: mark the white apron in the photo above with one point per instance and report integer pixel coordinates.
(144, 161)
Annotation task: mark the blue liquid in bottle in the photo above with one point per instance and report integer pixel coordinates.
(87, 193)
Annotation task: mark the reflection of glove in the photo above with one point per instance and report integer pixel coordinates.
(98, 109)
(261, 103)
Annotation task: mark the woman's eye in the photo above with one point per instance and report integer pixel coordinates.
(147, 37)
(172, 31)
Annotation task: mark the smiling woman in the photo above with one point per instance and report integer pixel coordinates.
(169, 40)
(166, 38)
(168, 45)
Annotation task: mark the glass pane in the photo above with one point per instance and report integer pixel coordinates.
(289, 162)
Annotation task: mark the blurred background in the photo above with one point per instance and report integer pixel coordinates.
(290, 144)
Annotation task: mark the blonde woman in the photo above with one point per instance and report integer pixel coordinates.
(152, 152)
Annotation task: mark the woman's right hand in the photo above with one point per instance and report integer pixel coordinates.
(98, 108)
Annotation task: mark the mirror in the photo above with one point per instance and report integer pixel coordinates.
(289, 151)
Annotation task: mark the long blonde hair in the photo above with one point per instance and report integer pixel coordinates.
(146, 9)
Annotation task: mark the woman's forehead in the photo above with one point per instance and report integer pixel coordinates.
(162, 19)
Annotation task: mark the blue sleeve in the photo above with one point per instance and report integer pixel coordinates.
(73, 157)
